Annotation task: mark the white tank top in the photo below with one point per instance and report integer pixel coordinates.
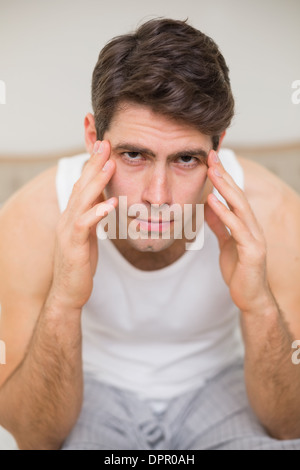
(158, 333)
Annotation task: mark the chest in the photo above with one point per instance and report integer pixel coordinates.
(183, 301)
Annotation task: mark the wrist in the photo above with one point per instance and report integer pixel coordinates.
(58, 304)
(62, 321)
(264, 320)
(265, 304)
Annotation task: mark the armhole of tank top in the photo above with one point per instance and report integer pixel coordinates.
(238, 173)
(233, 167)
(68, 172)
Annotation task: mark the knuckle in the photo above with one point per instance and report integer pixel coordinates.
(238, 189)
(259, 251)
(77, 187)
(78, 225)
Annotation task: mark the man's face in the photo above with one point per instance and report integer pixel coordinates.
(159, 163)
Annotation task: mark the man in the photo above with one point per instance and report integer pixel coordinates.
(132, 342)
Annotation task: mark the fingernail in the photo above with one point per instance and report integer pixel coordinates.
(101, 147)
(107, 165)
(215, 157)
(96, 146)
(105, 208)
(214, 199)
(110, 201)
(217, 172)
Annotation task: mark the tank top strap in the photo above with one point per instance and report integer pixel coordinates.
(68, 172)
(233, 167)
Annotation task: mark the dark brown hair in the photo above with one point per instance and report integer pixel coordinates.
(169, 66)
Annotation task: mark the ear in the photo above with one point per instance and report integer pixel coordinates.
(221, 140)
(90, 132)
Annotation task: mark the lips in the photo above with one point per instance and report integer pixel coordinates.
(151, 221)
(157, 226)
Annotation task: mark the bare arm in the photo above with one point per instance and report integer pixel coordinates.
(272, 378)
(41, 399)
(263, 279)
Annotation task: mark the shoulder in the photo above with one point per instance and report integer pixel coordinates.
(277, 209)
(36, 200)
(268, 195)
(27, 237)
(275, 204)
(27, 227)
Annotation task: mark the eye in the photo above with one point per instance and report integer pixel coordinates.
(132, 157)
(188, 161)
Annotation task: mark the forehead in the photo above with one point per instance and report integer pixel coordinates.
(140, 125)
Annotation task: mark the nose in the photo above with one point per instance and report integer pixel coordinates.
(157, 187)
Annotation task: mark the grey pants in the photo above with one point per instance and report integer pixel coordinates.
(216, 417)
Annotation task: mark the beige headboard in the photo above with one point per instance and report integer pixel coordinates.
(282, 160)
(16, 170)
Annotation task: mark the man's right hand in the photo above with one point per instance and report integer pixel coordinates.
(76, 250)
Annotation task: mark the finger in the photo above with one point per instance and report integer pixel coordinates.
(233, 194)
(100, 155)
(94, 189)
(84, 199)
(238, 229)
(87, 221)
(216, 225)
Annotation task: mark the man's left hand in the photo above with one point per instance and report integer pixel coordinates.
(243, 251)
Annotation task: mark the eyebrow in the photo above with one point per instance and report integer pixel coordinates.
(137, 149)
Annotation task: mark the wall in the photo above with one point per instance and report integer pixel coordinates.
(48, 51)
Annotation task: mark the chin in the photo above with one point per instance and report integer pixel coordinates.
(150, 246)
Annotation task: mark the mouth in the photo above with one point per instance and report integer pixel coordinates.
(154, 225)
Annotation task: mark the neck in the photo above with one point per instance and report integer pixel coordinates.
(150, 261)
